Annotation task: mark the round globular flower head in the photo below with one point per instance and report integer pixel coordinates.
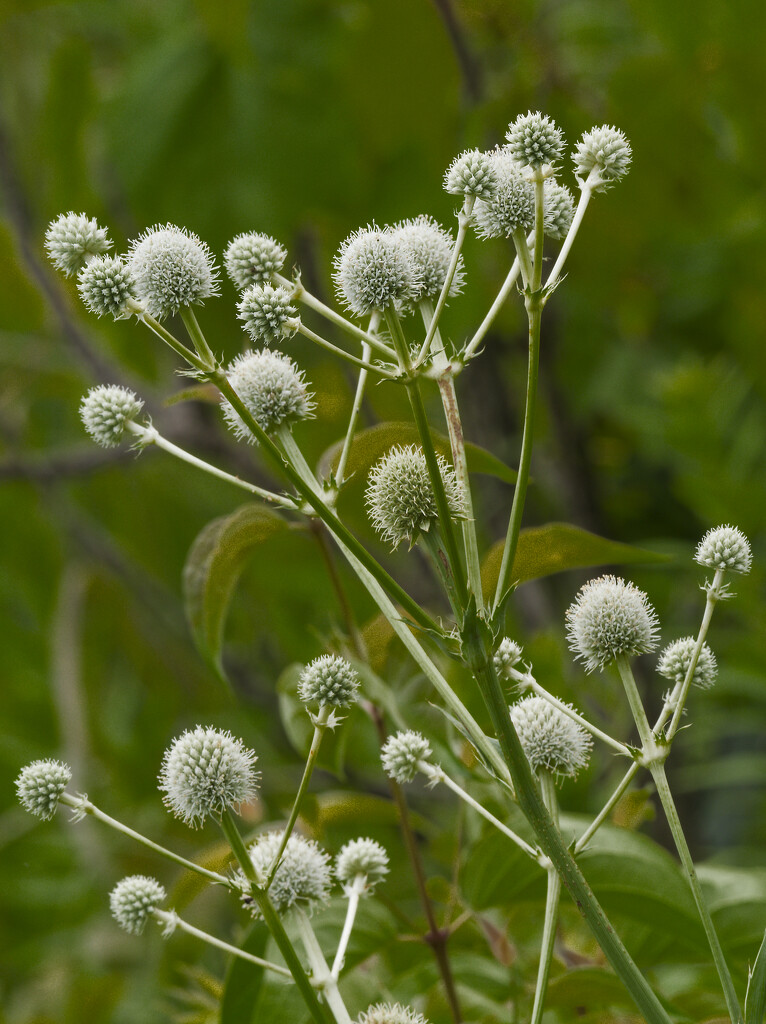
(268, 313)
(362, 857)
(272, 388)
(329, 680)
(430, 246)
(173, 269)
(602, 157)
(507, 655)
(558, 209)
(471, 174)
(106, 285)
(204, 772)
(40, 785)
(610, 617)
(132, 901)
(252, 259)
(725, 547)
(72, 239)
(402, 753)
(105, 410)
(511, 206)
(390, 1013)
(303, 876)
(535, 141)
(400, 499)
(677, 657)
(373, 270)
(551, 739)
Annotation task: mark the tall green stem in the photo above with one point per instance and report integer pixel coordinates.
(464, 221)
(553, 894)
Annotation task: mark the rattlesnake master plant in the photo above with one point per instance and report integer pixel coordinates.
(396, 282)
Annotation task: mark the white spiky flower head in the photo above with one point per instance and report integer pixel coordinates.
(610, 617)
(329, 680)
(602, 157)
(511, 206)
(253, 258)
(550, 738)
(400, 499)
(72, 239)
(206, 771)
(303, 877)
(173, 269)
(268, 313)
(677, 657)
(106, 286)
(132, 901)
(430, 247)
(471, 174)
(535, 141)
(362, 857)
(105, 410)
(273, 390)
(40, 784)
(507, 655)
(402, 754)
(725, 547)
(390, 1013)
(558, 209)
(373, 271)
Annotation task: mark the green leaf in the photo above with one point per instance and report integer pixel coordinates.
(370, 445)
(244, 980)
(213, 566)
(556, 547)
(755, 998)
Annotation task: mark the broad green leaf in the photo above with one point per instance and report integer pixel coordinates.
(755, 999)
(244, 980)
(556, 547)
(584, 989)
(213, 566)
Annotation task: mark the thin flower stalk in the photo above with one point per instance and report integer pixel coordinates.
(500, 300)
(363, 363)
(353, 893)
(321, 975)
(552, 897)
(340, 472)
(586, 191)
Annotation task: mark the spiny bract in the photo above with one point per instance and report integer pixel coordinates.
(272, 389)
(72, 239)
(610, 617)
(133, 899)
(725, 547)
(173, 269)
(329, 680)
(40, 784)
(677, 657)
(550, 738)
(402, 753)
(303, 876)
(106, 285)
(511, 206)
(105, 410)
(253, 258)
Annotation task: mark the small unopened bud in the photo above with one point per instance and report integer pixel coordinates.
(329, 680)
(106, 286)
(303, 876)
(253, 259)
(132, 901)
(362, 857)
(402, 754)
(535, 141)
(173, 269)
(550, 738)
(558, 209)
(610, 617)
(390, 1013)
(72, 239)
(725, 547)
(373, 271)
(677, 657)
(272, 389)
(471, 174)
(602, 157)
(40, 784)
(507, 655)
(268, 313)
(105, 410)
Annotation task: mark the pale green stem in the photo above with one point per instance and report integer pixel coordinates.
(171, 920)
(170, 339)
(607, 809)
(363, 363)
(320, 726)
(321, 975)
(586, 191)
(496, 306)
(525, 257)
(340, 472)
(463, 223)
(81, 805)
(353, 893)
(198, 338)
(548, 787)
(537, 265)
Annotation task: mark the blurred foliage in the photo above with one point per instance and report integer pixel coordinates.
(305, 119)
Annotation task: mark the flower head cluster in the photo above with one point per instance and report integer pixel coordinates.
(402, 754)
(72, 239)
(362, 857)
(303, 876)
(206, 771)
(172, 269)
(430, 247)
(677, 657)
(40, 784)
(391, 1013)
(132, 901)
(725, 547)
(535, 141)
(329, 680)
(507, 655)
(268, 313)
(252, 259)
(511, 206)
(272, 389)
(550, 738)
(105, 410)
(471, 174)
(373, 270)
(400, 499)
(602, 157)
(558, 209)
(610, 617)
(106, 286)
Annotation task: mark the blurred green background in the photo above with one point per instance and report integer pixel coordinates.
(306, 119)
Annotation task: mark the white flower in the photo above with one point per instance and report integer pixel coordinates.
(105, 410)
(172, 269)
(430, 247)
(610, 617)
(677, 657)
(252, 259)
(40, 784)
(132, 901)
(602, 157)
(550, 738)
(402, 754)
(362, 857)
(329, 680)
(535, 141)
(272, 389)
(373, 271)
(471, 174)
(511, 206)
(268, 313)
(725, 547)
(72, 239)
(303, 876)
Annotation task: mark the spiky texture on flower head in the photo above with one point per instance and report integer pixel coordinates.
(362, 857)
(603, 156)
(390, 1013)
(725, 547)
(558, 209)
(105, 410)
(402, 753)
(677, 657)
(551, 739)
(329, 680)
(512, 204)
(373, 270)
(173, 269)
(471, 174)
(272, 388)
(252, 258)
(535, 141)
(303, 876)
(507, 655)
(400, 499)
(204, 772)
(40, 784)
(268, 313)
(430, 246)
(132, 901)
(106, 285)
(610, 617)
(71, 239)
